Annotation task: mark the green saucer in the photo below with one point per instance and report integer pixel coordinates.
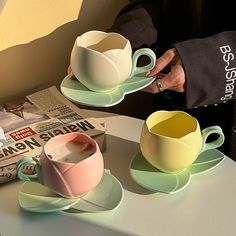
(107, 196)
(152, 179)
(72, 89)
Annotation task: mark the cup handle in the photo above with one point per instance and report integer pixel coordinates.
(215, 143)
(142, 69)
(28, 161)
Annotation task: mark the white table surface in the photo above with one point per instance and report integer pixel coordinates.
(207, 206)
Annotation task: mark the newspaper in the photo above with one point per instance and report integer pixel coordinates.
(28, 123)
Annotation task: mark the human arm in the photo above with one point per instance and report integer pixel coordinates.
(209, 66)
(174, 79)
(138, 22)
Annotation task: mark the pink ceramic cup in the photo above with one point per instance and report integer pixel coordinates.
(70, 164)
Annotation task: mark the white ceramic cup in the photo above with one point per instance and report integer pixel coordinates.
(101, 61)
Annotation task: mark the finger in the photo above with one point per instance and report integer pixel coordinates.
(152, 88)
(69, 70)
(174, 80)
(163, 61)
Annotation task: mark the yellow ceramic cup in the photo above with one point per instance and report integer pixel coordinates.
(172, 140)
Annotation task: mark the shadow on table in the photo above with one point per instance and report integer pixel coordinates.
(66, 224)
(118, 155)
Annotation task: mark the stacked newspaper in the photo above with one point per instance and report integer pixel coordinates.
(28, 123)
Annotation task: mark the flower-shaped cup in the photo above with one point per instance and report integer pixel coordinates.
(101, 61)
(71, 165)
(172, 140)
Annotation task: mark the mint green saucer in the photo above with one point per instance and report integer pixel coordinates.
(72, 89)
(38, 198)
(152, 179)
(107, 195)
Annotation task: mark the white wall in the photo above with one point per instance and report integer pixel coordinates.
(36, 38)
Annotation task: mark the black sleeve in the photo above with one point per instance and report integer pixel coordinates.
(210, 68)
(137, 21)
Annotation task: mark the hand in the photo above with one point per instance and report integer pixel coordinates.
(173, 80)
(69, 70)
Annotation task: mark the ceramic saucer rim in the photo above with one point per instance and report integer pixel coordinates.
(220, 157)
(126, 82)
(44, 209)
(68, 77)
(158, 190)
(219, 161)
(106, 209)
(120, 88)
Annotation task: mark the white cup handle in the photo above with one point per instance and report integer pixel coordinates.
(142, 69)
